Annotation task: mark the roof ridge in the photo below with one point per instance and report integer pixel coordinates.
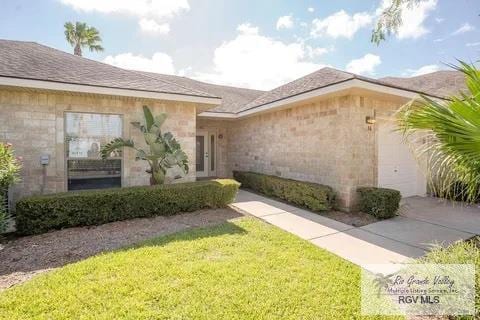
(202, 82)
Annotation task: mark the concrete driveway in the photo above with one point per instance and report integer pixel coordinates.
(422, 223)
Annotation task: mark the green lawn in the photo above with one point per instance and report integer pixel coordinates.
(241, 270)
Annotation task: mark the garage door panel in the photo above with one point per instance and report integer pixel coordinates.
(397, 166)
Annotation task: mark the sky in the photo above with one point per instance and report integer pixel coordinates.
(257, 44)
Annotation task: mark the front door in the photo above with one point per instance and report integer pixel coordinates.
(202, 154)
(205, 153)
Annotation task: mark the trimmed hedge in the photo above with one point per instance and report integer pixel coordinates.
(381, 203)
(39, 214)
(310, 195)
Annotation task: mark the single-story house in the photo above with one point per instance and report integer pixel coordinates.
(330, 127)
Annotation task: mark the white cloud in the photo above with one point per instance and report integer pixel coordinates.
(473, 44)
(139, 8)
(413, 18)
(285, 22)
(340, 24)
(466, 27)
(160, 62)
(439, 20)
(151, 26)
(311, 9)
(151, 13)
(256, 61)
(315, 52)
(364, 65)
(423, 70)
(247, 29)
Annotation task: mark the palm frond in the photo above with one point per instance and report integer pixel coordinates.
(81, 35)
(453, 150)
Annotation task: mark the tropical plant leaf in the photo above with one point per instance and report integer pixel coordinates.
(148, 118)
(141, 155)
(157, 123)
(150, 138)
(115, 144)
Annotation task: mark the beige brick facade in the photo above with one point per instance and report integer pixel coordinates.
(34, 123)
(326, 141)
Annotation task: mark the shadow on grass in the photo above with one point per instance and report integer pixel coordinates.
(226, 228)
(24, 257)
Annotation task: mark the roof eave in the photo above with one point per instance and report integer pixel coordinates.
(81, 88)
(330, 89)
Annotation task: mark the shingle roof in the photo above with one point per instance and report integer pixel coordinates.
(328, 76)
(312, 81)
(440, 83)
(30, 60)
(233, 98)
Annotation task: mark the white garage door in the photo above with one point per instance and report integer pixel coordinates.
(397, 166)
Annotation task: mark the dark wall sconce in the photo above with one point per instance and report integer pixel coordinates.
(370, 120)
(220, 136)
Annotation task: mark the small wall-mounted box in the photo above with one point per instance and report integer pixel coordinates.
(44, 159)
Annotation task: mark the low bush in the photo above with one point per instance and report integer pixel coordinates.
(39, 214)
(463, 252)
(4, 217)
(9, 166)
(381, 203)
(310, 195)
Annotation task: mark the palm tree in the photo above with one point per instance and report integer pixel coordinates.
(80, 35)
(453, 127)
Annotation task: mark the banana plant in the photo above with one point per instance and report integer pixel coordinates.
(163, 153)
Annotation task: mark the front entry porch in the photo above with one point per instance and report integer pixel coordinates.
(211, 149)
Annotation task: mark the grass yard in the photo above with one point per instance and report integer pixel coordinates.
(244, 269)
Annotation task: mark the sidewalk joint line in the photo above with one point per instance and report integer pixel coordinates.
(330, 234)
(439, 225)
(407, 244)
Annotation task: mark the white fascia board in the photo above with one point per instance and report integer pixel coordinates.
(59, 86)
(357, 83)
(218, 115)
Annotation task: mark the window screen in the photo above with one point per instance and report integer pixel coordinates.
(85, 134)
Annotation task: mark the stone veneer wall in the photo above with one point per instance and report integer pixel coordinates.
(326, 141)
(34, 123)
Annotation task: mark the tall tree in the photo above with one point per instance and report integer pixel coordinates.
(391, 19)
(453, 128)
(80, 35)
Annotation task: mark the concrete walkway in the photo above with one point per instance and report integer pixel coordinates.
(423, 222)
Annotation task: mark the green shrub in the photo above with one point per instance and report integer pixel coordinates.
(39, 214)
(9, 166)
(381, 203)
(310, 195)
(464, 252)
(4, 217)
